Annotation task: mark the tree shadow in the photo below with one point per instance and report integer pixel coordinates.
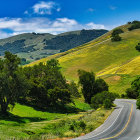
(18, 119)
(59, 108)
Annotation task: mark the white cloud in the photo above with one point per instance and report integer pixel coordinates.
(113, 7)
(43, 8)
(42, 25)
(92, 25)
(91, 10)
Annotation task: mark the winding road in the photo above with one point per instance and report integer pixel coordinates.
(122, 124)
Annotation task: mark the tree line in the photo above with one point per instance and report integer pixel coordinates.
(44, 86)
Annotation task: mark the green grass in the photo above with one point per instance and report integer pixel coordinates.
(25, 122)
(119, 83)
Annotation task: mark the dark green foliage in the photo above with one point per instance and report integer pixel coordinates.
(100, 85)
(90, 86)
(66, 42)
(74, 90)
(15, 47)
(116, 37)
(129, 22)
(48, 86)
(138, 47)
(115, 34)
(12, 82)
(58, 96)
(107, 103)
(134, 91)
(135, 25)
(104, 98)
(75, 125)
(138, 103)
(117, 31)
(131, 93)
(87, 81)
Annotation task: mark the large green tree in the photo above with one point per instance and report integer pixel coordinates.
(90, 86)
(12, 82)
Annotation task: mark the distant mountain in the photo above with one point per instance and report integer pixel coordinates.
(34, 46)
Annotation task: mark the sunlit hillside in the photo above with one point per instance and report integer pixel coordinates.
(102, 56)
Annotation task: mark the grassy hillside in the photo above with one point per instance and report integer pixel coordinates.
(34, 46)
(103, 56)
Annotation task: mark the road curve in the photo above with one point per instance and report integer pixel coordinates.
(122, 124)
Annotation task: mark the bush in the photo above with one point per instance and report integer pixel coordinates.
(77, 125)
(107, 103)
(134, 91)
(135, 25)
(99, 99)
(138, 103)
(131, 93)
(117, 31)
(116, 38)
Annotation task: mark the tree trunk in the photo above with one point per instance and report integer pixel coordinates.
(4, 108)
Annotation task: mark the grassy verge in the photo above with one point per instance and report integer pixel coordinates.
(25, 122)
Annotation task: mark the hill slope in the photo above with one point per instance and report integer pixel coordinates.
(117, 62)
(102, 56)
(34, 46)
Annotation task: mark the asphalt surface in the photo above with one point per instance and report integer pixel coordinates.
(122, 124)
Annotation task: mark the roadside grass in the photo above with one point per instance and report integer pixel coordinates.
(21, 115)
(25, 122)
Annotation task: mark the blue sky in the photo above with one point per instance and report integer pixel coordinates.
(56, 16)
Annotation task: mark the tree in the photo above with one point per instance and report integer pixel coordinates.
(87, 81)
(116, 37)
(117, 31)
(90, 86)
(104, 98)
(134, 91)
(135, 25)
(48, 86)
(138, 47)
(100, 85)
(59, 96)
(13, 84)
(74, 90)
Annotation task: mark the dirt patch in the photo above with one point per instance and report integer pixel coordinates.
(113, 79)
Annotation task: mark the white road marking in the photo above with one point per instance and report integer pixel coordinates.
(138, 138)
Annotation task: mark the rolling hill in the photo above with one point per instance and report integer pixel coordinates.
(34, 46)
(104, 57)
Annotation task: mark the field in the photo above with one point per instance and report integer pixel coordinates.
(25, 122)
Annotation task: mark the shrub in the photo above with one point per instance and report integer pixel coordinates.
(135, 25)
(131, 93)
(107, 103)
(138, 103)
(99, 99)
(117, 31)
(77, 125)
(134, 91)
(116, 38)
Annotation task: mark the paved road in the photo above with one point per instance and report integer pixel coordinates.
(122, 124)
